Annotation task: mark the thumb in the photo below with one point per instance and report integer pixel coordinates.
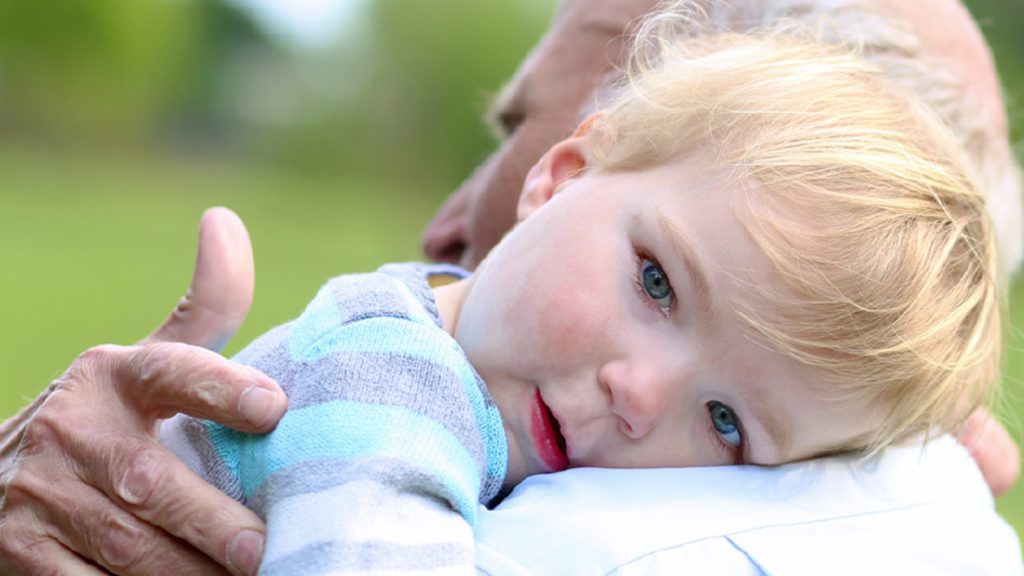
(218, 300)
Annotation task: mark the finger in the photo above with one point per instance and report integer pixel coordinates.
(124, 545)
(45, 556)
(222, 285)
(27, 541)
(167, 378)
(148, 481)
(94, 491)
(83, 520)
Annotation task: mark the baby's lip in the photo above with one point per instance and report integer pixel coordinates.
(547, 436)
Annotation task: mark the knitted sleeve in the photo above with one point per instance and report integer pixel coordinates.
(389, 443)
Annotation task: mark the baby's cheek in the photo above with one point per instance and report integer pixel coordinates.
(572, 321)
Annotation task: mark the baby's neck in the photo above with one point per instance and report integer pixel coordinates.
(449, 298)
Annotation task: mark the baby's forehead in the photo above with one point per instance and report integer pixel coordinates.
(714, 218)
(704, 198)
(706, 179)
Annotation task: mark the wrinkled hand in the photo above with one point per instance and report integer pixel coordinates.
(85, 487)
(993, 449)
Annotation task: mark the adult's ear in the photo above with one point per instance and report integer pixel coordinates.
(563, 162)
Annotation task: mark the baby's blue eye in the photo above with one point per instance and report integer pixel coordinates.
(656, 285)
(726, 423)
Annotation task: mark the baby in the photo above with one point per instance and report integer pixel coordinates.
(757, 251)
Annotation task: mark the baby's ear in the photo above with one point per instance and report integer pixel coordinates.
(563, 162)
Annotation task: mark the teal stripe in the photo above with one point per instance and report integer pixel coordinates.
(497, 443)
(349, 430)
(313, 337)
(321, 317)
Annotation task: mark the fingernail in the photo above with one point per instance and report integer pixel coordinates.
(245, 551)
(257, 405)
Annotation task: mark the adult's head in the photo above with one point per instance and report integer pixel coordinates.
(540, 106)
(554, 86)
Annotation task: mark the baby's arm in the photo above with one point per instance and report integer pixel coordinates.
(379, 462)
(328, 509)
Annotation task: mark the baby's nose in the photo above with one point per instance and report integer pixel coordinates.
(638, 396)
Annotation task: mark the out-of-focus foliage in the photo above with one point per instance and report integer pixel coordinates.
(113, 73)
(436, 61)
(1000, 22)
(401, 91)
(403, 85)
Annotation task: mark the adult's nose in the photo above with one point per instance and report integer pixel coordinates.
(638, 395)
(445, 238)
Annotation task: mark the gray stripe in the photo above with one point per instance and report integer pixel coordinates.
(211, 468)
(319, 475)
(376, 294)
(426, 387)
(387, 379)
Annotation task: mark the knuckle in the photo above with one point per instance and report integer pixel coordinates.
(99, 353)
(153, 361)
(88, 368)
(171, 376)
(11, 539)
(21, 549)
(16, 557)
(48, 431)
(119, 545)
(148, 363)
(93, 359)
(146, 467)
(214, 523)
(160, 377)
(20, 487)
(25, 483)
(39, 432)
(23, 516)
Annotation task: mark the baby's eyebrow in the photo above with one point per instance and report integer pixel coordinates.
(683, 249)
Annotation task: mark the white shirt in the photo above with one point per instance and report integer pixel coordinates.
(910, 511)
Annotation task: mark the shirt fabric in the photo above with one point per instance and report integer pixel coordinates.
(911, 510)
(390, 442)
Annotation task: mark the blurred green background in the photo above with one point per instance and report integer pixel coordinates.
(121, 120)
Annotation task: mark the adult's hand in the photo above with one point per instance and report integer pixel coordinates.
(995, 452)
(85, 487)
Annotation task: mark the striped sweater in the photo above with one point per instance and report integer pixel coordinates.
(389, 443)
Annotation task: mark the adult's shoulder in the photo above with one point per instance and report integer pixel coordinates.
(911, 510)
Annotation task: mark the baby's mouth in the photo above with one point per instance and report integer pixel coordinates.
(551, 445)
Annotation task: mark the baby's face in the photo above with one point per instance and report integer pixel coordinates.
(605, 328)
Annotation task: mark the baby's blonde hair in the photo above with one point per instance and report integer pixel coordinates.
(858, 194)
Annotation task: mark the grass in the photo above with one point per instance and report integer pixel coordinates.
(98, 250)
(1011, 403)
